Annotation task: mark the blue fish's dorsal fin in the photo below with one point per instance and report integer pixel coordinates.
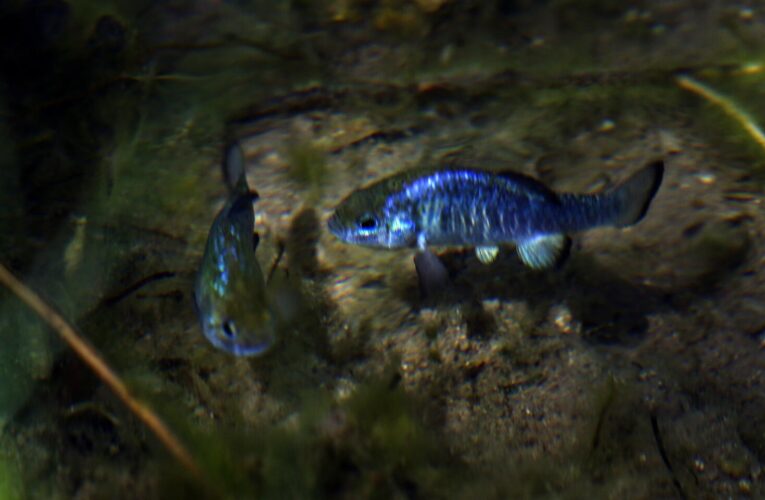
(529, 184)
(233, 168)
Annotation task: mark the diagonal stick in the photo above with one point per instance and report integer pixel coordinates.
(727, 105)
(90, 356)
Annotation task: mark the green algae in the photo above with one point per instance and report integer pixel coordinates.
(372, 444)
(119, 154)
(307, 163)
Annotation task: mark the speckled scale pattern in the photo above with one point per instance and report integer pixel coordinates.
(469, 207)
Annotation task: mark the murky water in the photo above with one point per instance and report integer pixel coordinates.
(634, 370)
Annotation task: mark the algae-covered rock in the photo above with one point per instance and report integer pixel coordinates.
(26, 356)
(11, 485)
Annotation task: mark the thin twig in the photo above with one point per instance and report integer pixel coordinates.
(90, 356)
(727, 105)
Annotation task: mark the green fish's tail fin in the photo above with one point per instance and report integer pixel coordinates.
(233, 168)
(633, 196)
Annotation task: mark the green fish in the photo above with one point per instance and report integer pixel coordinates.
(234, 308)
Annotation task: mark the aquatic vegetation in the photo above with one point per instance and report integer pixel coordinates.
(374, 442)
(111, 123)
(10, 471)
(307, 163)
(99, 366)
(27, 356)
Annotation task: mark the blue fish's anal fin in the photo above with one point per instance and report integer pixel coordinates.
(545, 251)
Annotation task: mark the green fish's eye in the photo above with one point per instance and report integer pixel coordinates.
(229, 329)
(367, 222)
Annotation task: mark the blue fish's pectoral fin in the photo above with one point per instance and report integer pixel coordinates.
(486, 254)
(545, 251)
(255, 241)
(431, 273)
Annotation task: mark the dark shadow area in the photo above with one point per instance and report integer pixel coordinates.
(611, 309)
(302, 238)
(50, 113)
(299, 357)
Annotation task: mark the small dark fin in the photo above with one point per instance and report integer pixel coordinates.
(255, 241)
(280, 253)
(196, 303)
(233, 168)
(543, 252)
(431, 273)
(635, 194)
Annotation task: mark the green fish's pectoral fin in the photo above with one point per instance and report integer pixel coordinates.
(486, 254)
(275, 265)
(241, 205)
(196, 302)
(544, 251)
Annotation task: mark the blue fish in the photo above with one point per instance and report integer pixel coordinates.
(482, 209)
(234, 309)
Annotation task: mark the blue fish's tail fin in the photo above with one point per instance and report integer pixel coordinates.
(633, 197)
(233, 168)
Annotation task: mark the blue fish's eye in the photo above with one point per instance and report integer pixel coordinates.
(229, 329)
(367, 222)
